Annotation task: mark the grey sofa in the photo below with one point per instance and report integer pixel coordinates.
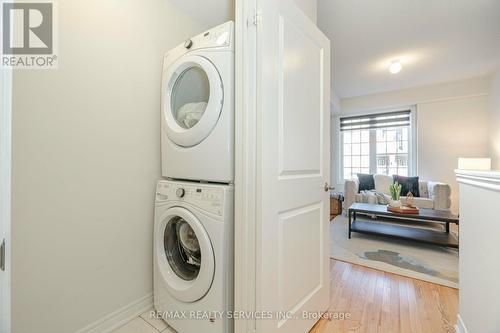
(433, 195)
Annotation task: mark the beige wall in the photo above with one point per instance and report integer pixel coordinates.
(85, 161)
(452, 122)
(494, 120)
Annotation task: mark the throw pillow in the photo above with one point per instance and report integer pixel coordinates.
(408, 184)
(369, 197)
(366, 182)
(383, 199)
(382, 183)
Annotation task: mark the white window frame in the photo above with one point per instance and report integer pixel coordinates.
(412, 140)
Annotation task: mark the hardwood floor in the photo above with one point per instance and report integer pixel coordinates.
(381, 302)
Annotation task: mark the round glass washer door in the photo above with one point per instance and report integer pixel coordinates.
(193, 97)
(185, 255)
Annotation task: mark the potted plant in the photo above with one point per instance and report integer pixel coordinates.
(395, 190)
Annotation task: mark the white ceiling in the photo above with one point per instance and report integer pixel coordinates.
(436, 40)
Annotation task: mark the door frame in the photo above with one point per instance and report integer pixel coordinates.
(246, 191)
(5, 191)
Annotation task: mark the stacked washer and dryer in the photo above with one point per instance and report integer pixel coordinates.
(193, 233)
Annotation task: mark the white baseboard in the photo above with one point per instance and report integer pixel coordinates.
(460, 326)
(120, 317)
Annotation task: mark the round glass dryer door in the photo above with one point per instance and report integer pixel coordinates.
(185, 254)
(192, 101)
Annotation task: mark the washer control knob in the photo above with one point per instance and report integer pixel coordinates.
(180, 192)
(188, 44)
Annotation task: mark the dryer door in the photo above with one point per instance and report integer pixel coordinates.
(193, 96)
(185, 255)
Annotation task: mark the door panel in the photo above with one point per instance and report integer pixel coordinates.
(293, 98)
(300, 230)
(300, 115)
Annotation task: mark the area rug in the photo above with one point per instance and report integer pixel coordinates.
(422, 261)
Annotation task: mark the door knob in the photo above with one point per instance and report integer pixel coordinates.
(328, 187)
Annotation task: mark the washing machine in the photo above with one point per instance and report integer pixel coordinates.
(193, 256)
(197, 108)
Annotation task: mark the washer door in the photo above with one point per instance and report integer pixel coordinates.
(193, 97)
(185, 255)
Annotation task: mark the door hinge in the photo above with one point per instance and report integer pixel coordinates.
(257, 16)
(2, 256)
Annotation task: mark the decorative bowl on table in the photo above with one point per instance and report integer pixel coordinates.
(403, 209)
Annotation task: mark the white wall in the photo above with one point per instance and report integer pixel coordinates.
(479, 266)
(494, 120)
(452, 119)
(310, 7)
(85, 161)
(448, 130)
(424, 94)
(207, 13)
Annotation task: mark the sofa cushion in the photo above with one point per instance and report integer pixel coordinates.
(366, 182)
(382, 183)
(423, 189)
(440, 193)
(368, 197)
(408, 184)
(383, 199)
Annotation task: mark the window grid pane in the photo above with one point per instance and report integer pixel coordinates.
(387, 147)
(356, 154)
(392, 151)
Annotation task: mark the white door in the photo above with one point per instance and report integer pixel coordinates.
(293, 98)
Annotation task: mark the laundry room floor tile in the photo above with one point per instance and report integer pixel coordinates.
(159, 324)
(138, 325)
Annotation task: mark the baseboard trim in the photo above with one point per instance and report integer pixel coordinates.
(460, 326)
(120, 317)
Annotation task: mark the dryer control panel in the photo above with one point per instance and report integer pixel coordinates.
(219, 36)
(202, 196)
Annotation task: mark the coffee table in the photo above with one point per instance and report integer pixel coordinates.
(377, 220)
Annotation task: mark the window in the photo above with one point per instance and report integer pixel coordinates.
(392, 151)
(378, 143)
(356, 152)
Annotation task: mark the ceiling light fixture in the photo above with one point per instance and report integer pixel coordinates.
(395, 67)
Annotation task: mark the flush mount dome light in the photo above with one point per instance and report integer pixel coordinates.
(395, 67)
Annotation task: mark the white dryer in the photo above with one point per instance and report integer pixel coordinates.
(193, 256)
(197, 127)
